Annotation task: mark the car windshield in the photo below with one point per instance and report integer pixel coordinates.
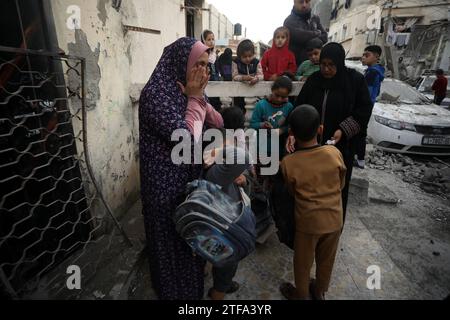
(399, 92)
(428, 83)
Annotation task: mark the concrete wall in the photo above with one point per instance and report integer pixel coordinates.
(217, 23)
(116, 64)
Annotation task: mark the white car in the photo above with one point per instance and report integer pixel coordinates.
(424, 86)
(406, 121)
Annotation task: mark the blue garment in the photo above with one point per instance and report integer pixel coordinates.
(374, 77)
(276, 115)
(214, 75)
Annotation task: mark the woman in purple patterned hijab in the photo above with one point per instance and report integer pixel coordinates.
(169, 102)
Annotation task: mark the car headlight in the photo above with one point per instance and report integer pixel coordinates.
(398, 125)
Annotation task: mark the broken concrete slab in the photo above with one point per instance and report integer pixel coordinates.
(382, 194)
(359, 188)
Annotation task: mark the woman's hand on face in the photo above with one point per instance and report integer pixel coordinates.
(196, 82)
(337, 136)
(290, 144)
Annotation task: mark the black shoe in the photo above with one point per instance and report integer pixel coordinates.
(288, 291)
(233, 288)
(312, 287)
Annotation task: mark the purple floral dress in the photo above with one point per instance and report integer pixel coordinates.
(176, 273)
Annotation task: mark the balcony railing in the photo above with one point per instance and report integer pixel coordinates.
(226, 91)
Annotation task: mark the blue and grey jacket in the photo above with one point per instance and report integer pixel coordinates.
(374, 76)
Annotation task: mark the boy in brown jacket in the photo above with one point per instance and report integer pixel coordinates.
(315, 176)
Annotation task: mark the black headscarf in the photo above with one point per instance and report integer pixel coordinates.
(336, 53)
(226, 57)
(343, 78)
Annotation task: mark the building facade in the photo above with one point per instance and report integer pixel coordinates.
(359, 23)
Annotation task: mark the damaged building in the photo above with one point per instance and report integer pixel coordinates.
(414, 34)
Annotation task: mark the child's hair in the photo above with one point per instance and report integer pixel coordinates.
(374, 49)
(245, 46)
(233, 118)
(282, 82)
(205, 35)
(281, 30)
(304, 122)
(439, 72)
(314, 43)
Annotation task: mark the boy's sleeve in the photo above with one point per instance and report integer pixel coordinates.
(342, 169)
(299, 73)
(372, 78)
(285, 126)
(301, 70)
(235, 72)
(284, 171)
(257, 117)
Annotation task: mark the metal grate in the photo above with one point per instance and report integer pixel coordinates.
(51, 212)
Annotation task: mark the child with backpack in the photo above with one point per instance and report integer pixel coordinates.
(230, 177)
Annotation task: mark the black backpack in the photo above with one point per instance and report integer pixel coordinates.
(283, 210)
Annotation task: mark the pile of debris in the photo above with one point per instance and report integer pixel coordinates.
(432, 175)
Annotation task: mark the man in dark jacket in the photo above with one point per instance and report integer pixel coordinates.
(303, 26)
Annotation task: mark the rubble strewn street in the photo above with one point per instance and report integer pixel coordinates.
(429, 173)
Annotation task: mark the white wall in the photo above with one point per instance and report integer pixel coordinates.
(217, 23)
(116, 64)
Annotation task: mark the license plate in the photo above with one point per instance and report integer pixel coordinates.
(436, 141)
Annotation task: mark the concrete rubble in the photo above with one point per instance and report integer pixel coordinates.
(430, 174)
